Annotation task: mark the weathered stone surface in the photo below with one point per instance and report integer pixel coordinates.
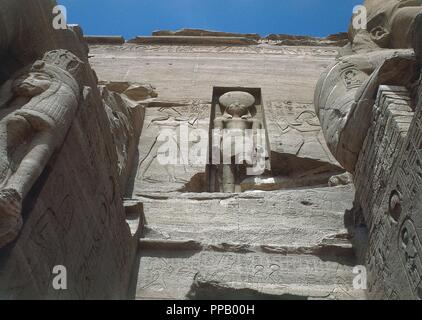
(21, 41)
(253, 218)
(183, 227)
(287, 77)
(272, 275)
(341, 179)
(388, 182)
(115, 40)
(346, 91)
(193, 40)
(39, 105)
(204, 33)
(135, 218)
(390, 24)
(284, 73)
(182, 121)
(134, 91)
(73, 215)
(274, 243)
(297, 141)
(385, 152)
(126, 121)
(262, 242)
(345, 96)
(335, 40)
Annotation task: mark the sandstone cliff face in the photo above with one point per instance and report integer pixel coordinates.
(126, 117)
(27, 34)
(334, 40)
(74, 215)
(265, 241)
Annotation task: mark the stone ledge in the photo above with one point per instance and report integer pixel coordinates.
(205, 33)
(193, 40)
(341, 248)
(95, 40)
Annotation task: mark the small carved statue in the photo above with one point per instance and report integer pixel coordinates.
(37, 107)
(237, 118)
(378, 55)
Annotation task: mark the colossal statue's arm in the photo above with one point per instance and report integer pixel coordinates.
(346, 93)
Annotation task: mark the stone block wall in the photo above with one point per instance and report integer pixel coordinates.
(388, 182)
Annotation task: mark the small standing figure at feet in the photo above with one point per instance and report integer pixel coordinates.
(234, 123)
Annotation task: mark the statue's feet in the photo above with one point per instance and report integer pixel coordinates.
(10, 216)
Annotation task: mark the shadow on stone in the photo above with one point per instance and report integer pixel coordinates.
(212, 290)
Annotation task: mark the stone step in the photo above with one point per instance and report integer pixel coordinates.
(302, 218)
(276, 245)
(165, 273)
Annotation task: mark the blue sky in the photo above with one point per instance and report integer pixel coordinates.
(140, 17)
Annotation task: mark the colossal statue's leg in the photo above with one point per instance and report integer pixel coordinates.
(14, 132)
(32, 165)
(25, 156)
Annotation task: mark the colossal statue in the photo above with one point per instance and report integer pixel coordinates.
(381, 54)
(37, 107)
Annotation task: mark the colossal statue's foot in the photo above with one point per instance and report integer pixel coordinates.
(10, 216)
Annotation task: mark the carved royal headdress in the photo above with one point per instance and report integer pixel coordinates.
(61, 64)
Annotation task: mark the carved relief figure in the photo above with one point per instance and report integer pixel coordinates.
(378, 55)
(168, 127)
(236, 119)
(37, 107)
